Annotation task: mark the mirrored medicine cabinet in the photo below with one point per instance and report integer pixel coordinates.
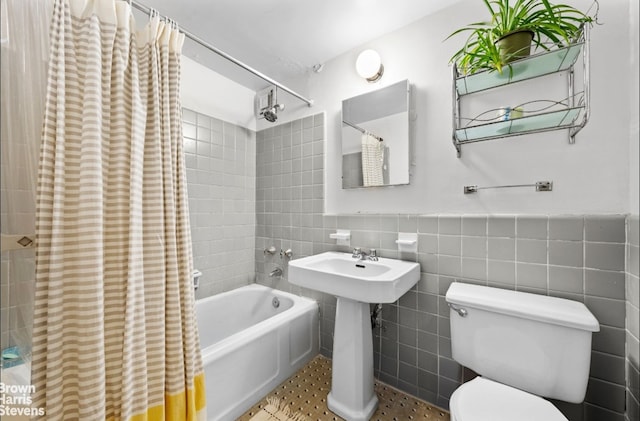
(375, 138)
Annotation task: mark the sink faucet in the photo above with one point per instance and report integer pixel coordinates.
(360, 254)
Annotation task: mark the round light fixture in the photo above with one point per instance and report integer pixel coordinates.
(369, 65)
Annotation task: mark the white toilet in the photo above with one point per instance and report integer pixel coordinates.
(523, 346)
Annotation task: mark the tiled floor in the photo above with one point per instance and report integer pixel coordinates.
(306, 391)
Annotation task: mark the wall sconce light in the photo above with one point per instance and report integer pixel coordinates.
(369, 66)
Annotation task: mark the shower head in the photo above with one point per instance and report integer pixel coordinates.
(271, 114)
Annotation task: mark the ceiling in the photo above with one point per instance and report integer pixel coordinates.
(284, 39)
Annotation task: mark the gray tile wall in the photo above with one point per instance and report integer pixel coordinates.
(577, 257)
(352, 170)
(633, 320)
(220, 160)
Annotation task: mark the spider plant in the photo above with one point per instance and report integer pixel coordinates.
(550, 25)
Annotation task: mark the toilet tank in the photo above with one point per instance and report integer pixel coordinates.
(533, 342)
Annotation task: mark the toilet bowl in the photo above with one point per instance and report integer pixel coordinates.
(485, 400)
(525, 347)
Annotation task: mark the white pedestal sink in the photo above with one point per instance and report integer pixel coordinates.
(355, 283)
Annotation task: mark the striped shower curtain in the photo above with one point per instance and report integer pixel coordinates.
(115, 336)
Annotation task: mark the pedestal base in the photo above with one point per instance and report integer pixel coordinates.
(352, 395)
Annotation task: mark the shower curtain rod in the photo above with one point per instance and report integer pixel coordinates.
(363, 131)
(147, 10)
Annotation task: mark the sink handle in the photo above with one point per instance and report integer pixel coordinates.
(373, 255)
(356, 253)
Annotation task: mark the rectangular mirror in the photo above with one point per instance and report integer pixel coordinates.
(375, 138)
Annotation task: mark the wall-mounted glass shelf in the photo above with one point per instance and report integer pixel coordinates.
(541, 64)
(573, 116)
(553, 120)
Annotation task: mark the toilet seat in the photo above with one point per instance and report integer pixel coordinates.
(485, 400)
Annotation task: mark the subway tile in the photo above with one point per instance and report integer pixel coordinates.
(608, 311)
(531, 251)
(632, 288)
(409, 300)
(566, 253)
(188, 116)
(388, 241)
(633, 230)
(307, 122)
(189, 146)
(427, 303)
(449, 265)
(444, 326)
(501, 226)
(189, 130)
(531, 227)
(428, 380)
(474, 225)
(474, 268)
(474, 247)
(501, 272)
(427, 361)
(449, 245)
(567, 228)
(427, 243)
(607, 367)
(606, 284)
(203, 121)
(605, 228)
(501, 248)
(531, 275)
(633, 328)
(633, 374)
(633, 259)
(407, 223)
(443, 285)
(204, 134)
(566, 279)
(451, 225)
(610, 340)
(427, 332)
(446, 386)
(408, 318)
(606, 395)
(408, 337)
(450, 369)
(596, 413)
(428, 283)
(428, 224)
(604, 256)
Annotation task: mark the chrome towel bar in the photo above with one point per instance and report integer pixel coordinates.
(539, 185)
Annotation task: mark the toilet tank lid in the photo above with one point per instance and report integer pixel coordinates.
(541, 308)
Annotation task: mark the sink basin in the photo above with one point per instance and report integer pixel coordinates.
(366, 281)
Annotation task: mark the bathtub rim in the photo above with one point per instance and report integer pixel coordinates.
(300, 306)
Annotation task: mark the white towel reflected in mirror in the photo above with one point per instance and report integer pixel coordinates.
(372, 161)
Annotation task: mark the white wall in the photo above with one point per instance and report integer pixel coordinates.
(207, 92)
(634, 100)
(591, 176)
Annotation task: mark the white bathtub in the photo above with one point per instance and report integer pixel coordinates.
(249, 346)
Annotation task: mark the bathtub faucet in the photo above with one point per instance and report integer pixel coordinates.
(276, 272)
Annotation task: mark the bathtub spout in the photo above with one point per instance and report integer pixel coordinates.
(276, 272)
